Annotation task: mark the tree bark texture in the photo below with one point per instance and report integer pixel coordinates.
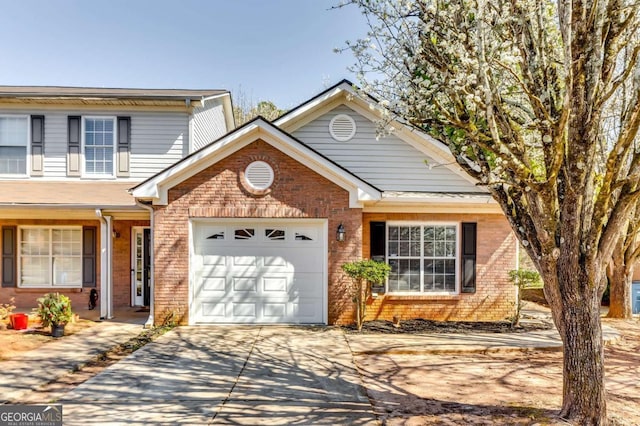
(620, 278)
(584, 396)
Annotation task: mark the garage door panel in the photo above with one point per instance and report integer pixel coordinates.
(214, 260)
(245, 309)
(245, 261)
(214, 310)
(274, 310)
(214, 284)
(275, 285)
(245, 285)
(264, 279)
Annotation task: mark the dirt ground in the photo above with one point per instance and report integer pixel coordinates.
(15, 342)
(512, 388)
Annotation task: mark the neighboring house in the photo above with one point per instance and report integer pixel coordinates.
(67, 159)
(254, 227)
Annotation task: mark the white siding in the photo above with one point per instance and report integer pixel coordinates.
(388, 163)
(157, 139)
(208, 123)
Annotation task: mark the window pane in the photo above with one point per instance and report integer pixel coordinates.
(393, 248)
(13, 160)
(13, 131)
(51, 256)
(67, 271)
(428, 249)
(450, 282)
(98, 146)
(34, 271)
(393, 233)
(34, 241)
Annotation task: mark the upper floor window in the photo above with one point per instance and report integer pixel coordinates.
(14, 135)
(99, 142)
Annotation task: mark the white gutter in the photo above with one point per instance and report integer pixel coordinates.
(150, 320)
(106, 276)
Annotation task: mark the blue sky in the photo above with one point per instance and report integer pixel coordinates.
(278, 50)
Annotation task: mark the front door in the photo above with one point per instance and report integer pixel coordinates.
(141, 266)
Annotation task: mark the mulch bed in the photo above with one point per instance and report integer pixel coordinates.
(422, 326)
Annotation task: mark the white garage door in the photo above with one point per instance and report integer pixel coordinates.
(258, 272)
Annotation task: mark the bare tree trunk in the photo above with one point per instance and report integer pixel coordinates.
(620, 277)
(576, 312)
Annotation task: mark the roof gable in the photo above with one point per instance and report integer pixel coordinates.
(344, 93)
(156, 188)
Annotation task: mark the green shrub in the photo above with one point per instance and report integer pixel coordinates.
(54, 309)
(364, 273)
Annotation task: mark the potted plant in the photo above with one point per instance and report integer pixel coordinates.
(54, 310)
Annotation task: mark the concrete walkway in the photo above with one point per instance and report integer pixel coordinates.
(59, 357)
(447, 343)
(228, 375)
(232, 374)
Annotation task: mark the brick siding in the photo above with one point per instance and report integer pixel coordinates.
(219, 191)
(25, 298)
(494, 298)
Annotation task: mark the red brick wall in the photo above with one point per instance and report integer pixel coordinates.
(25, 298)
(495, 295)
(122, 261)
(219, 191)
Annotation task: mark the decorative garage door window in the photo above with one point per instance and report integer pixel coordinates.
(275, 234)
(245, 233)
(50, 257)
(423, 258)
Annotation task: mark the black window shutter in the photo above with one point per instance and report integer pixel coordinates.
(89, 256)
(37, 145)
(469, 233)
(73, 150)
(378, 243)
(124, 146)
(9, 256)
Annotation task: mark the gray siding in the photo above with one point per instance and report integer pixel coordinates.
(388, 163)
(208, 123)
(157, 139)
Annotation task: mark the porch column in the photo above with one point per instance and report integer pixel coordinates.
(106, 254)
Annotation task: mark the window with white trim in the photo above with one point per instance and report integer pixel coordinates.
(50, 257)
(423, 258)
(99, 142)
(14, 137)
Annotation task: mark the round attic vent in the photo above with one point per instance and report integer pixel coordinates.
(259, 175)
(342, 127)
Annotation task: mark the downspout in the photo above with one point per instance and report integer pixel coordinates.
(150, 320)
(106, 254)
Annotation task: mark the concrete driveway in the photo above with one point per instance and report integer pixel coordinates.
(228, 375)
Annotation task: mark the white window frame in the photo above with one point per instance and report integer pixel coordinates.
(27, 146)
(422, 257)
(114, 153)
(51, 269)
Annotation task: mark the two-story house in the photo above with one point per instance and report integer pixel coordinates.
(154, 199)
(68, 157)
